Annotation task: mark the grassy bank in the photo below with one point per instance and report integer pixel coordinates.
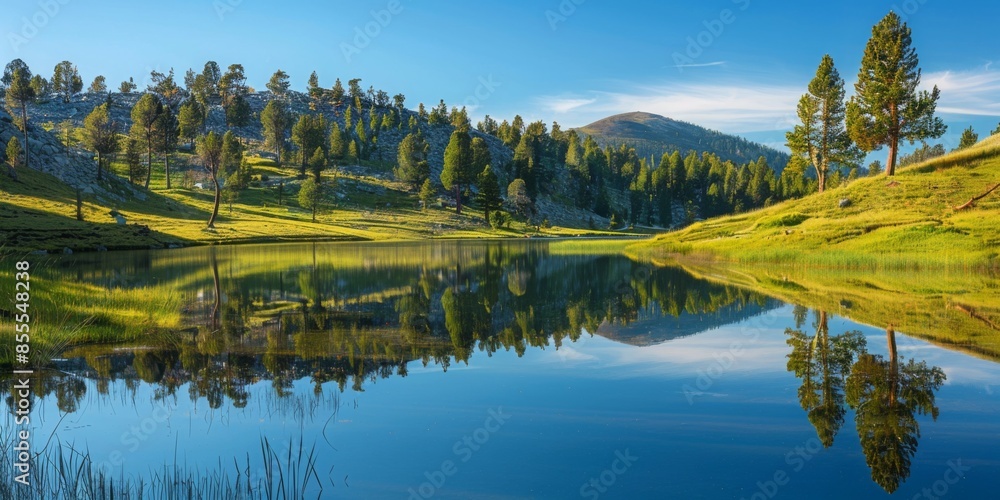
(39, 213)
(952, 308)
(904, 222)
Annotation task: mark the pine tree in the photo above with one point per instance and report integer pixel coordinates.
(66, 80)
(457, 161)
(352, 151)
(887, 107)
(127, 87)
(144, 114)
(308, 133)
(316, 163)
(338, 145)
(822, 137)
(427, 193)
(133, 158)
(279, 84)
(488, 198)
(19, 93)
(875, 168)
(13, 152)
(969, 139)
(166, 138)
(337, 93)
(232, 153)
(481, 158)
(312, 196)
(191, 120)
(413, 167)
(276, 121)
(100, 134)
(99, 85)
(314, 90)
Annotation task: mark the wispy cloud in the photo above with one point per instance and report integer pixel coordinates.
(753, 107)
(973, 92)
(701, 65)
(565, 104)
(742, 107)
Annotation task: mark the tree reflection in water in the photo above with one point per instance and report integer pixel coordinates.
(886, 395)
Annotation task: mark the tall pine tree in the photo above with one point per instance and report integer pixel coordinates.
(822, 137)
(887, 106)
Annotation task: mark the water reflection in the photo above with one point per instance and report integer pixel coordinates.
(343, 318)
(886, 394)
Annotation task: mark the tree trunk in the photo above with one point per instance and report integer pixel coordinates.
(458, 199)
(893, 363)
(149, 165)
(218, 198)
(166, 167)
(891, 168)
(821, 179)
(24, 125)
(218, 290)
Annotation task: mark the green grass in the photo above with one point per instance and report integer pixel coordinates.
(61, 471)
(953, 308)
(903, 222)
(39, 213)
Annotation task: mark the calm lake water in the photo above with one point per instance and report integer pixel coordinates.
(509, 370)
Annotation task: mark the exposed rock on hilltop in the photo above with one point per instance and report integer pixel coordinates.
(437, 136)
(75, 167)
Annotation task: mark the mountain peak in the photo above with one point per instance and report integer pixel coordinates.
(653, 135)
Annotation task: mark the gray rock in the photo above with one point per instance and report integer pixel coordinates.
(102, 248)
(844, 203)
(67, 251)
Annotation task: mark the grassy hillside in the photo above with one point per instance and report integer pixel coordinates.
(39, 213)
(653, 135)
(904, 222)
(954, 309)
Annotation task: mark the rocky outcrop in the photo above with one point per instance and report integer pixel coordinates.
(73, 166)
(55, 111)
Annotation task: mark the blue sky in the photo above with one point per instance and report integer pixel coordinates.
(573, 61)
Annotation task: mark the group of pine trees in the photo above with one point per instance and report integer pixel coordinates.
(612, 181)
(887, 107)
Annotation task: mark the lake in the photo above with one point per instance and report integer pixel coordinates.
(461, 369)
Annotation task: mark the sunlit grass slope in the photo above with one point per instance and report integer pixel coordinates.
(39, 213)
(902, 222)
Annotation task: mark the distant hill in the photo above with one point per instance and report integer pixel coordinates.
(659, 329)
(654, 135)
